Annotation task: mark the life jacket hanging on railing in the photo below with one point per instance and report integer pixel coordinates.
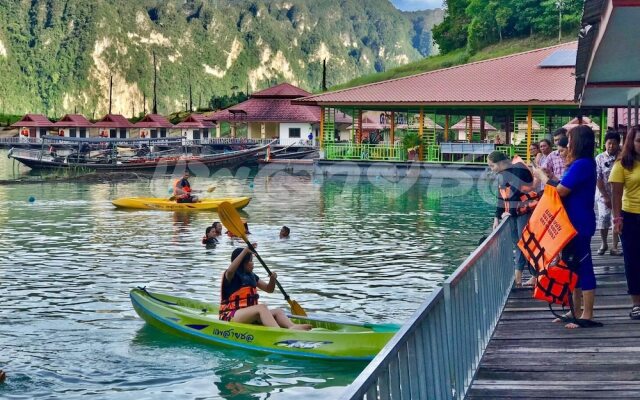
(548, 231)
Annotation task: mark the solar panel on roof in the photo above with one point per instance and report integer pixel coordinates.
(559, 58)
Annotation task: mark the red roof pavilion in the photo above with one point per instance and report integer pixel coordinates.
(526, 79)
(273, 105)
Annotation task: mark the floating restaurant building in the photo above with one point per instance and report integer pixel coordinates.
(270, 113)
(525, 96)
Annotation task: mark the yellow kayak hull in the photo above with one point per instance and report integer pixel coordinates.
(158, 203)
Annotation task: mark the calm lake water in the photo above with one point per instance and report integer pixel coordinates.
(369, 251)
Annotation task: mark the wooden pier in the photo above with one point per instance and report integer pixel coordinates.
(530, 357)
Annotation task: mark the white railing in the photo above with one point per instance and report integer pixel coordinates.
(437, 352)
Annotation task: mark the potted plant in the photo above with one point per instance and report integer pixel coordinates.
(411, 142)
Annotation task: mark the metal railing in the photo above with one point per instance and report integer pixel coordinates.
(20, 139)
(437, 352)
(351, 151)
(229, 140)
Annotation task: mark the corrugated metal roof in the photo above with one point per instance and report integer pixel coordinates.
(33, 120)
(113, 121)
(73, 120)
(153, 121)
(512, 79)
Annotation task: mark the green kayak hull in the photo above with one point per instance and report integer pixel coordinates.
(199, 321)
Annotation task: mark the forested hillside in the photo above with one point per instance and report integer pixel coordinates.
(57, 56)
(474, 24)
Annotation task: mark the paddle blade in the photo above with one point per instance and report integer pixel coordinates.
(231, 219)
(296, 309)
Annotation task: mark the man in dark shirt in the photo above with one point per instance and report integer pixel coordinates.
(513, 180)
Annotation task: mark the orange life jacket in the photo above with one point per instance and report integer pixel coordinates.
(547, 232)
(528, 199)
(185, 191)
(244, 297)
(555, 284)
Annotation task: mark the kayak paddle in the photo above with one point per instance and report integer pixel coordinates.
(231, 219)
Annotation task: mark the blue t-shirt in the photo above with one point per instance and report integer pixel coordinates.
(581, 179)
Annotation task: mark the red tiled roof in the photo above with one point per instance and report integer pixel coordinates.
(113, 121)
(73, 120)
(282, 91)
(512, 79)
(475, 124)
(33, 120)
(272, 110)
(153, 121)
(195, 121)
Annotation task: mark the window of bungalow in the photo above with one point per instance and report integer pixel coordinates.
(163, 132)
(72, 132)
(205, 133)
(294, 132)
(83, 132)
(123, 133)
(43, 131)
(154, 133)
(196, 134)
(113, 133)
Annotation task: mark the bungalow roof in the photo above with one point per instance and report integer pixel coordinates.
(33, 120)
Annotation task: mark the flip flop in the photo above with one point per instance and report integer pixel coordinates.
(565, 319)
(635, 312)
(588, 323)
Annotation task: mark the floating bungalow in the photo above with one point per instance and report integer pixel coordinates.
(114, 126)
(33, 126)
(73, 125)
(270, 114)
(195, 127)
(524, 96)
(153, 126)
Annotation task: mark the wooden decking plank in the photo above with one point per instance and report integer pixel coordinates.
(529, 357)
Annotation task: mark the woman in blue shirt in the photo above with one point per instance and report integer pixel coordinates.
(577, 189)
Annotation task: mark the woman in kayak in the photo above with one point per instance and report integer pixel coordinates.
(239, 295)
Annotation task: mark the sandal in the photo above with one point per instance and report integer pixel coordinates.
(603, 249)
(635, 312)
(615, 252)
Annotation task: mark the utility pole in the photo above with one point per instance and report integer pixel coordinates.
(324, 75)
(190, 97)
(155, 82)
(559, 3)
(110, 91)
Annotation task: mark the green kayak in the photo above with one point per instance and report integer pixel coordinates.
(199, 320)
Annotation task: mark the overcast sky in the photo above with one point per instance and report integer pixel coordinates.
(412, 5)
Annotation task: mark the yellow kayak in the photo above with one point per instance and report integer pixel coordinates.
(159, 203)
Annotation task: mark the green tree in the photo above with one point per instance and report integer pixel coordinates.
(452, 33)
